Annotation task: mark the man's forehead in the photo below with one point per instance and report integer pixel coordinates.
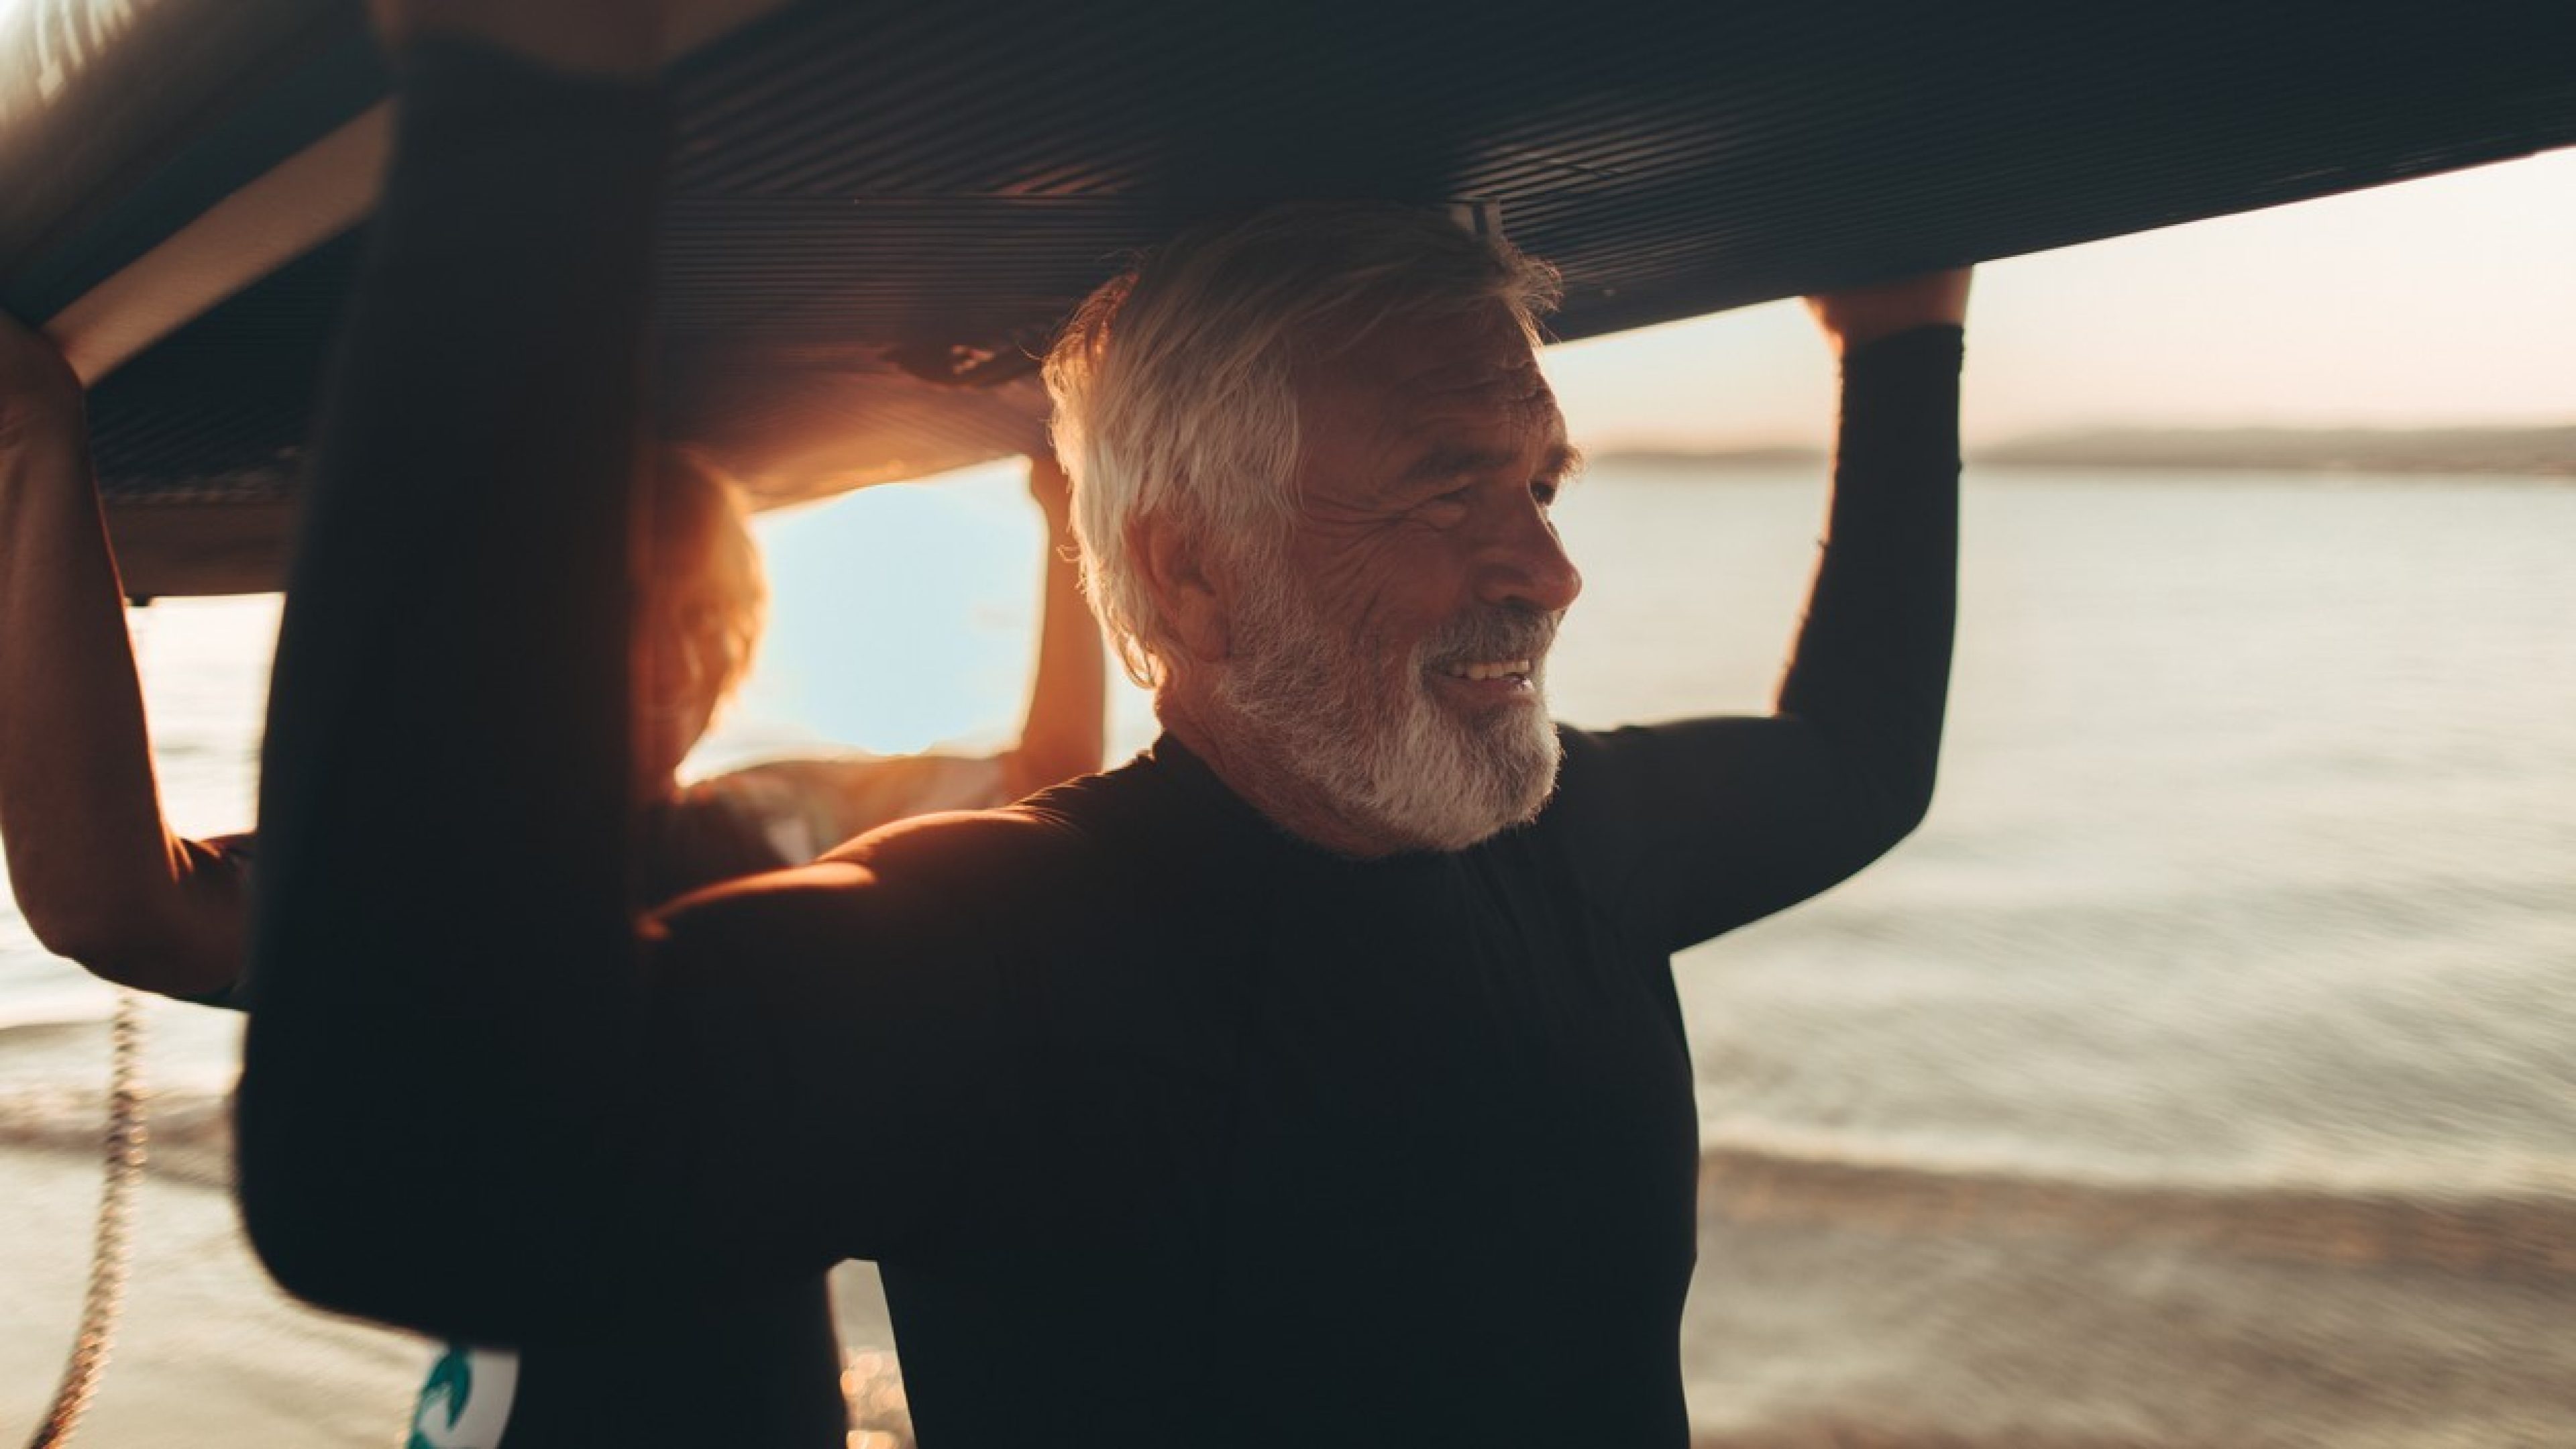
(1441, 375)
(1494, 381)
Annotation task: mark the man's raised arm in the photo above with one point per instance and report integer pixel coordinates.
(1706, 824)
(444, 947)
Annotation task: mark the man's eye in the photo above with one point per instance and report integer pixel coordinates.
(1544, 490)
(1441, 510)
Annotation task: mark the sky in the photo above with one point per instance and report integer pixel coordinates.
(2448, 301)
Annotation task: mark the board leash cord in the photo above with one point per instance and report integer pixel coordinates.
(107, 1261)
(122, 1152)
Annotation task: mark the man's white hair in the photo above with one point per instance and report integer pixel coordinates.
(1175, 384)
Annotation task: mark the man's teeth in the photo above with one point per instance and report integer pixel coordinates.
(1499, 669)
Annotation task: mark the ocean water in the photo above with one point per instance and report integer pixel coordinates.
(2202, 1073)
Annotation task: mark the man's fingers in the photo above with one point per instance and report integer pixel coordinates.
(1861, 315)
(592, 37)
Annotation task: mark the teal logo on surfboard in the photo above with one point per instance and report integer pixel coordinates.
(465, 1400)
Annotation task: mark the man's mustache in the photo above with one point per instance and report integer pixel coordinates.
(1493, 634)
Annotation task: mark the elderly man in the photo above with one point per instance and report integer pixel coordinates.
(1317, 1076)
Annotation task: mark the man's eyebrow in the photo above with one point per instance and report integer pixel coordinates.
(1448, 461)
(1562, 462)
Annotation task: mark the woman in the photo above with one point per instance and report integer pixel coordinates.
(105, 882)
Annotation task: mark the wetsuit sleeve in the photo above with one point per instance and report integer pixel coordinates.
(1694, 827)
(476, 1087)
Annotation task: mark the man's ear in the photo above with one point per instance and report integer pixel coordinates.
(1193, 598)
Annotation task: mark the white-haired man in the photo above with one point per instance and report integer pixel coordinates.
(1317, 1075)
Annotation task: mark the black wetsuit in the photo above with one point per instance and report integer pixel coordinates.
(1165, 1127)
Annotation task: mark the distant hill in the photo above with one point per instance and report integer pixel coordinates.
(2545, 451)
(2542, 452)
(1787, 455)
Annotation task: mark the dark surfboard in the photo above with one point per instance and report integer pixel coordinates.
(880, 210)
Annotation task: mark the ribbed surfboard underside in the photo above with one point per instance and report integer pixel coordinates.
(859, 185)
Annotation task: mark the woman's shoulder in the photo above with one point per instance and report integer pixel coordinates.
(806, 806)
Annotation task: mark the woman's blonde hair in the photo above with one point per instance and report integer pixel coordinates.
(1175, 388)
(703, 575)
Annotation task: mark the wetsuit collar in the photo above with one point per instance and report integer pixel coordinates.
(1199, 782)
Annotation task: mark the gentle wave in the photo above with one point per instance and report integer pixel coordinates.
(188, 1136)
(2503, 1231)
(1854, 1433)
(49, 1031)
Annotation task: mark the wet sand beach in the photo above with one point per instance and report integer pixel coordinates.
(208, 1353)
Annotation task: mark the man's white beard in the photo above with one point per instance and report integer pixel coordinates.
(1384, 754)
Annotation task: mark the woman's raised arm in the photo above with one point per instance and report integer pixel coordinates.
(97, 872)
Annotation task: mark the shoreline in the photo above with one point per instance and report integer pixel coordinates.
(207, 1353)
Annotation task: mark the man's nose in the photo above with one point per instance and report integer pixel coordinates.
(1525, 564)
